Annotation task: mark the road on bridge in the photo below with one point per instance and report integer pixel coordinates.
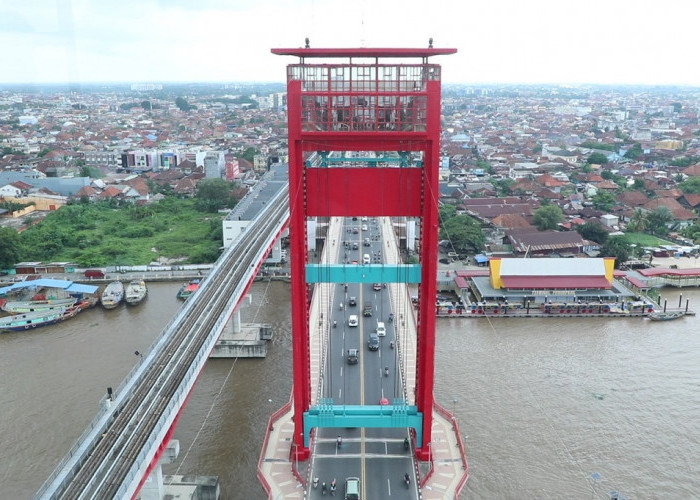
(377, 456)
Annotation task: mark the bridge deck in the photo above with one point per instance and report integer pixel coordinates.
(276, 466)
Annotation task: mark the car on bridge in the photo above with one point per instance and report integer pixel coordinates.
(352, 301)
(367, 310)
(373, 342)
(352, 488)
(352, 356)
(376, 287)
(352, 320)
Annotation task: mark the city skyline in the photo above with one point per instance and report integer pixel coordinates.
(508, 42)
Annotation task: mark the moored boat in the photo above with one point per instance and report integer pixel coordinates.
(188, 289)
(28, 306)
(36, 319)
(665, 315)
(135, 292)
(112, 295)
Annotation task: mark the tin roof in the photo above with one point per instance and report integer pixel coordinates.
(69, 286)
(553, 267)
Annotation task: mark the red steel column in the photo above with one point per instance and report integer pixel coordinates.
(425, 349)
(297, 253)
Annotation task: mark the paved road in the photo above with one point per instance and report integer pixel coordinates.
(376, 456)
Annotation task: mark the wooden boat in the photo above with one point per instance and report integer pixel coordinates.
(135, 292)
(36, 319)
(188, 289)
(665, 315)
(27, 306)
(112, 295)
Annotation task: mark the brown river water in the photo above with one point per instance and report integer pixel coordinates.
(542, 403)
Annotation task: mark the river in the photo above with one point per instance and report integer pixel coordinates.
(544, 405)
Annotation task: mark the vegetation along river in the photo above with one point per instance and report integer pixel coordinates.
(545, 405)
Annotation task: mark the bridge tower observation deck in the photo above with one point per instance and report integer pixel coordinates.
(380, 100)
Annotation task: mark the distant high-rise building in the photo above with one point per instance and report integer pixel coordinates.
(141, 87)
(214, 163)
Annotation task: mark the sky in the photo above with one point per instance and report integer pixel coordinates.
(498, 41)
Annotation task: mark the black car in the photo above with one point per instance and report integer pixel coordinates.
(352, 301)
(352, 356)
(373, 342)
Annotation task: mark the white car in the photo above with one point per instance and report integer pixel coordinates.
(352, 320)
(381, 329)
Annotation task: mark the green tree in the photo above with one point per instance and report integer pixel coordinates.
(593, 231)
(658, 221)
(548, 217)
(634, 152)
(639, 185)
(464, 232)
(182, 104)
(691, 185)
(638, 223)
(446, 212)
(597, 159)
(10, 248)
(249, 154)
(603, 200)
(618, 247)
(212, 195)
(503, 186)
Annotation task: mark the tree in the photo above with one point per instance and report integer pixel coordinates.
(597, 159)
(593, 231)
(446, 212)
(690, 185)
(603, 200)
(548, 217)
(634, 152)
(212, 195)
(10, 247)
(182, 104)
(638, 223)
(639, 185)
(464, 232)
(658, 220)
(249, 154)
(618, 247)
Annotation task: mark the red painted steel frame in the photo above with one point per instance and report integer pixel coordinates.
(335, 191)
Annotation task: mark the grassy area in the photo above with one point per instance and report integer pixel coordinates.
(92, 235)
(645, 240)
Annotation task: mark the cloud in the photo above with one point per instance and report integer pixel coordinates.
(620, 41)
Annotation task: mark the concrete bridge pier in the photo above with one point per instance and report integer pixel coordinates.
(153, 488)
(240, 340)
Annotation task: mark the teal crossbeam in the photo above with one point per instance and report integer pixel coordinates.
(368, 273)
(398, 415)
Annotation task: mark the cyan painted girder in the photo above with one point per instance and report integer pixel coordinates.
(397, 415)
(368, 273)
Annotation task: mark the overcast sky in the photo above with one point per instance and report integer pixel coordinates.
(498, 41)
